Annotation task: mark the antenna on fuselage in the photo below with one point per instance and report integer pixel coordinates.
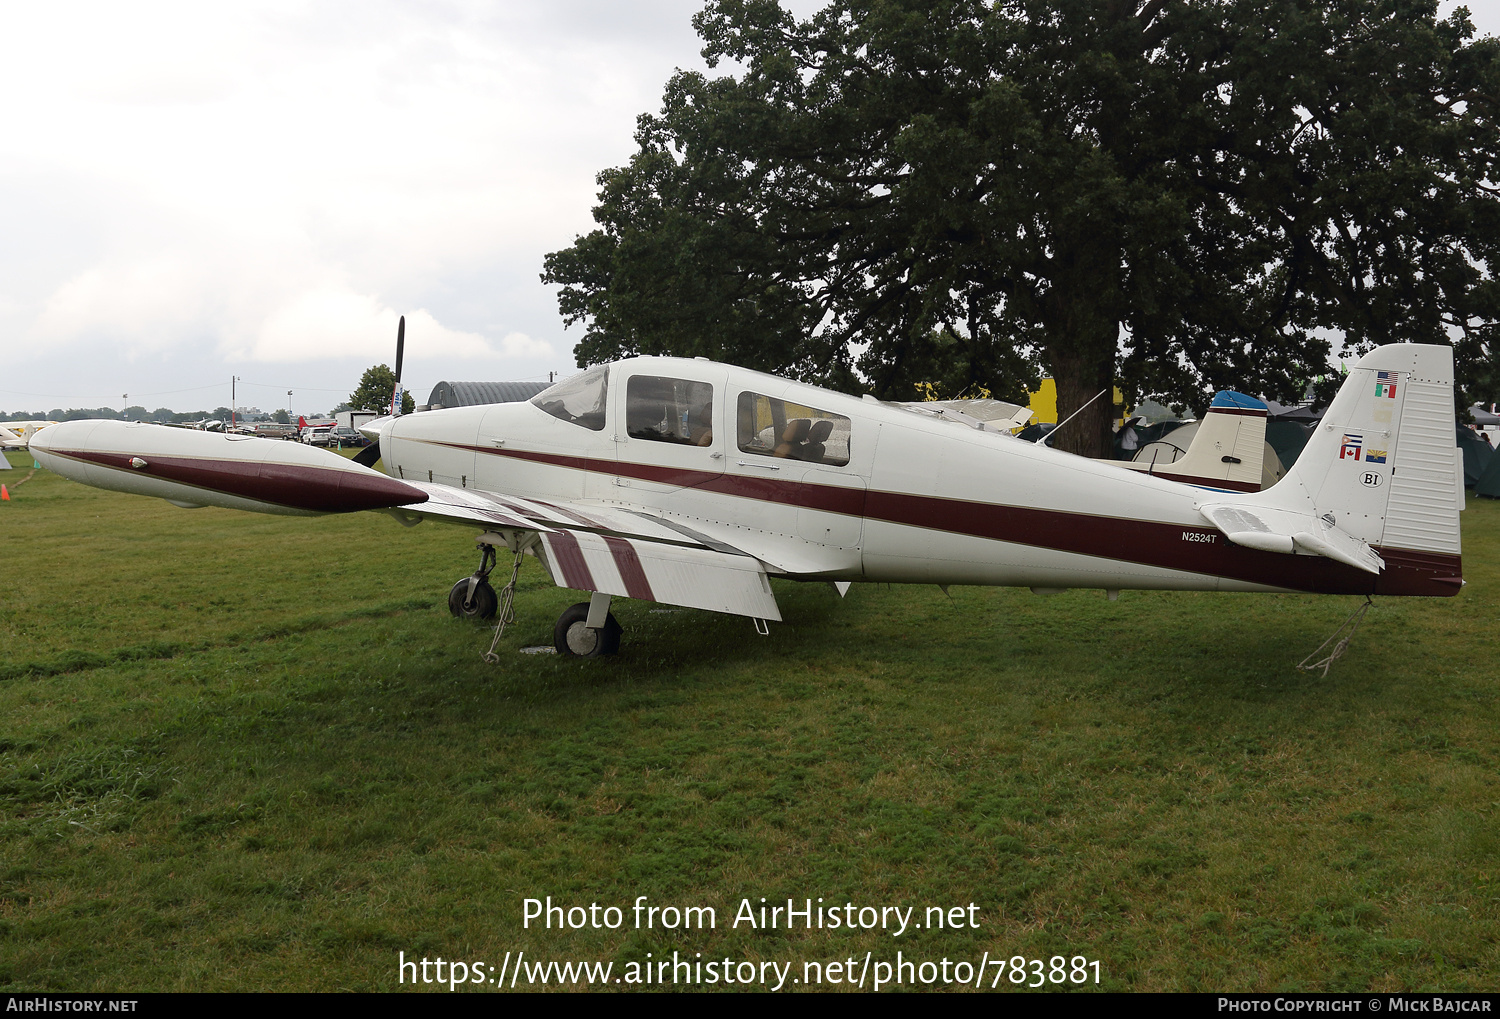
(1070, 417)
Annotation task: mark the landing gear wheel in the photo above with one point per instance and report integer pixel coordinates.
(481, 605)
(571, 637)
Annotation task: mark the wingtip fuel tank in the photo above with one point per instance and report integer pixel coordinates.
(193, 468)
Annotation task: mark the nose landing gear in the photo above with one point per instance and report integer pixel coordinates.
(473, 597)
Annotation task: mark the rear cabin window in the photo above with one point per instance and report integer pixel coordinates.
(578, 400)
(669, 410)
(770, 427)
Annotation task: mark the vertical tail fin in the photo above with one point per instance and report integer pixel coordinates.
(1383, 464)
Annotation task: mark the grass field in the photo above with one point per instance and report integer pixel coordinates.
(242, 752)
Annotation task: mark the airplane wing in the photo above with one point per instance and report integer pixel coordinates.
(584, 547)
(1291, 531)
(587, 547)
(974, 413)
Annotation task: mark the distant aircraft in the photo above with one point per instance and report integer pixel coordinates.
(693, 483)
(16, 434)
(1227, 449)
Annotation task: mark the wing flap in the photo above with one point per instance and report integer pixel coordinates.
(1290, 531)
(696, 578)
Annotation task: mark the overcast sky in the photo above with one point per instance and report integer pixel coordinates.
(191, 191)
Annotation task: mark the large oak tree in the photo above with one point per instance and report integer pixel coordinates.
(1176, 195)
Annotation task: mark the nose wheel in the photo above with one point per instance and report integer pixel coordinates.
(473, 597)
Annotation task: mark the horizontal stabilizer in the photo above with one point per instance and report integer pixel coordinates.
(1291, 531)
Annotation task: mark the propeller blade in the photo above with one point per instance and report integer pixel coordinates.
(400, 350)
(367, 456)
(400, 346)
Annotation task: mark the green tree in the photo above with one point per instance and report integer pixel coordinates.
(375, 389)
(1176, 195)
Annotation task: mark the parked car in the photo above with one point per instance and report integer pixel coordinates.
(348, 438)
(320, 436)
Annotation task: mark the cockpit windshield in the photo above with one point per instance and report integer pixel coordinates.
(578, 400)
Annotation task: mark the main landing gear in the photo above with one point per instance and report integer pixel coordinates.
(588, 629)
(585, 630)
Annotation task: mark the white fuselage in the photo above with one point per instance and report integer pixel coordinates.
(689, 482)
(919, 500)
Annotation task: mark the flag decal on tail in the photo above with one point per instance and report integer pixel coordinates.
(1353, 445)
(1375, 456)
(1385, 384)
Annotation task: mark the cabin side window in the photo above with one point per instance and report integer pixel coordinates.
(669, 410)
(579, 399)
(767, 426)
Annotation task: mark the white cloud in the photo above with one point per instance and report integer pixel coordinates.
(184, 187)
(521, 345)
(147, 303)
(338, 323)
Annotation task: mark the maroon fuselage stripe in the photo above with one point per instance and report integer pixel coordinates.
(629, 565)
(575, 569)
(1147, 542)
(1188, 479)
(320, 489)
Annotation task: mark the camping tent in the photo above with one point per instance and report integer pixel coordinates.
(1489, 482)
(1287, 438)
(1477, 455)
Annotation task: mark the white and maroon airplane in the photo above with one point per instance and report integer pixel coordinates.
(693, 483)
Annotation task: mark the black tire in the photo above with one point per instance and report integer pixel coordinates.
(571, 637)
(481, 606)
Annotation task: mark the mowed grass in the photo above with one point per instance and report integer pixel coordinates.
(242, 752)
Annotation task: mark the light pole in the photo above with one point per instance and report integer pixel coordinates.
(126, 412)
